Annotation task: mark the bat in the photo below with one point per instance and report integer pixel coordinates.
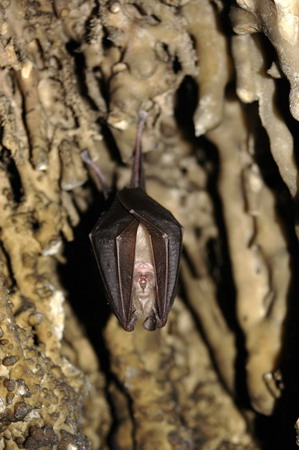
(137, 246)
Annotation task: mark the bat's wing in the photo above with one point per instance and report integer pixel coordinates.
(166, 236)
(113, 239)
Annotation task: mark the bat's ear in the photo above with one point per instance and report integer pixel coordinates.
(150, 324)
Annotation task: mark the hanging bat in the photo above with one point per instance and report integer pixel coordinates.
(137, 245)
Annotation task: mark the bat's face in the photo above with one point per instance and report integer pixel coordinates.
(137, 245)
(144, 276)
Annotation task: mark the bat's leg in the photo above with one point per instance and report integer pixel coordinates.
(137, 175)
(87, 159)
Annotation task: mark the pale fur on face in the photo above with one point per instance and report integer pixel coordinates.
(144, 278)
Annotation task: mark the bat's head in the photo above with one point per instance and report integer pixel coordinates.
(144, 280)
(144, 293)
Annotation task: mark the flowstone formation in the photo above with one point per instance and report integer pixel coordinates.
(219, 83)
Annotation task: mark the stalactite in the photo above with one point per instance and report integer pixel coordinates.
(219, 147)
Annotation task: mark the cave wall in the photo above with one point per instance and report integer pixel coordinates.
(218, 81)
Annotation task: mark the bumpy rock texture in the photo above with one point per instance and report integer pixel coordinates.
(219, 81)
